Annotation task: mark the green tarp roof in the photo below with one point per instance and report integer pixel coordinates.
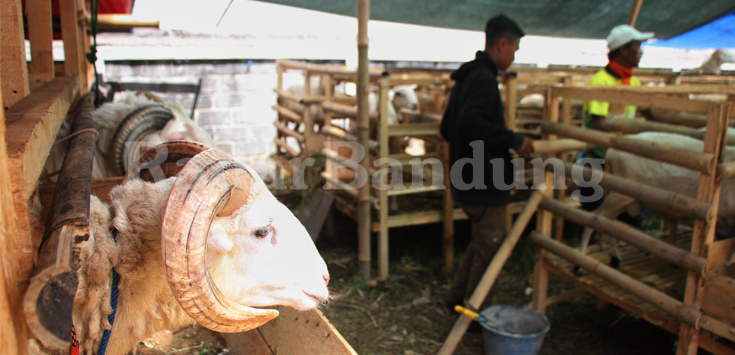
(562, 18)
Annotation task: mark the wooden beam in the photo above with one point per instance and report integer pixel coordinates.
(40, 35)
(13, 335)
(32, 127)
(12, 53)
(634, 11)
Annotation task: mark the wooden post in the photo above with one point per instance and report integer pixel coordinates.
(634, 12)
(491, 273)
(511, 100)
(73, 58)
(13, 334)
(12, 53)
(363, 136)
(383, 138)
(308, 119)
(709, 191)
(447, 210)
(40, 34)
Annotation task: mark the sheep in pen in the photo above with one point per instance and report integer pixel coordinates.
(205, 245)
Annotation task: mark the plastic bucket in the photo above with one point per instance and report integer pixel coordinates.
(513, 330)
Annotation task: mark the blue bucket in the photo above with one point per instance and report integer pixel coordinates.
(513, 330)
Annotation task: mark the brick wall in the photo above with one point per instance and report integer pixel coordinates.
(234, 103)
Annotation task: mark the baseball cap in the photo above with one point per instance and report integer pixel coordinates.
(622, 34)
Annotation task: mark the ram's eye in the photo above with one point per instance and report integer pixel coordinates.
(263, 232)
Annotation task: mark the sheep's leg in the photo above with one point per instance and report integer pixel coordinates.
(612, 207)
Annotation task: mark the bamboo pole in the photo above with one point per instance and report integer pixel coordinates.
(289, 132)
(330, 69)
(491, 273)
(649, 195)
(281, 144)
(345, 110)
(703, 162)
(341, 134)
(547, 146)
(636, 126)
(630, 235)
(122, 22)
(49, 299)
(363, 136)
(287, 113)
(668, 304)
(634, 11)
(383, 237)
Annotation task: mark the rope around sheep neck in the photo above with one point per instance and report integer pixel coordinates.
(113, 303)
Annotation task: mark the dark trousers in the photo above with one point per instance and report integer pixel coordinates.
(488, 231)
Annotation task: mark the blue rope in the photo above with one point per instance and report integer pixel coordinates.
(113, 304)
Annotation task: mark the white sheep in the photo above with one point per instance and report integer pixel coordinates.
(662, 175)
(205, 246)
(135, 123)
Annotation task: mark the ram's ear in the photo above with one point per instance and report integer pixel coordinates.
(219, 243)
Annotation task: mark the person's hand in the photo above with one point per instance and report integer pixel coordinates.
(527, 147)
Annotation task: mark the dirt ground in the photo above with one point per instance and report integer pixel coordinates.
(405, 315)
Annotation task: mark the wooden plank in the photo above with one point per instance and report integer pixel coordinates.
(32, 127)
(13, 335)
(251, 343)
(40, 35)
(70, 33)
(12, 53)
(299, 332)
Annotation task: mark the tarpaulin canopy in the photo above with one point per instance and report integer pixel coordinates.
(717, 34)
(561, 18)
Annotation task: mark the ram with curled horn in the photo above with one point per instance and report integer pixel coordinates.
(207, 245)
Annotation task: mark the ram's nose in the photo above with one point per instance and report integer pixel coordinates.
(326, 279)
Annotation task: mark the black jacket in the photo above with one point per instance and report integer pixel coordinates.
(475, 114)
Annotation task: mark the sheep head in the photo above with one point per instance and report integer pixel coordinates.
(228, 244)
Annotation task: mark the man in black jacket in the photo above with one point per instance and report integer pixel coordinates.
(479, 144)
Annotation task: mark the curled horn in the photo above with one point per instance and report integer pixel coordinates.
(138, 122)
(208, 185)
(164, 160)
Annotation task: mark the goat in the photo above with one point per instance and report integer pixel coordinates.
(662, 175)
(203, 246)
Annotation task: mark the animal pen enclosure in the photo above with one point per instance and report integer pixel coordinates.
(685, 288)
(35, 297)
(333, 136)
